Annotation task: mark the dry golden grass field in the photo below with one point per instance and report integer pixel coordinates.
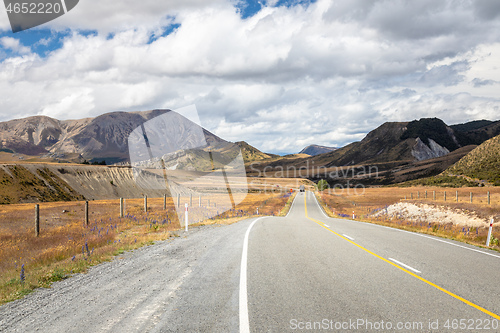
(369, 205)
(66, 245)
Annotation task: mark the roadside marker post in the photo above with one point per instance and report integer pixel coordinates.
(145, 204)
(186, 219)
(164, 202)
(488, 240)
(353, 216)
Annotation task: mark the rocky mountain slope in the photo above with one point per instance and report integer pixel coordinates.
(101, 138)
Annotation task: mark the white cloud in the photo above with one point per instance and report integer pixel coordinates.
(281, 79)
(14, 45)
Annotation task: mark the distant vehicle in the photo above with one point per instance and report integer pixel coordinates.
(302, 188)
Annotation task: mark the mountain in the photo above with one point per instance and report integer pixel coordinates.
(101, 138)
(398, 151)
(313, 150)
(418, 140)
(396, 141)
(476, 132)
(483, 163)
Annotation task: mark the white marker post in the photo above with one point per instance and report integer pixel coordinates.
(186, 217)
(488, 240)
(353, 216)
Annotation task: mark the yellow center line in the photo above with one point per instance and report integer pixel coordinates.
(403, 269)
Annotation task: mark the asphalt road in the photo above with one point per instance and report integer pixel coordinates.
(303, 272)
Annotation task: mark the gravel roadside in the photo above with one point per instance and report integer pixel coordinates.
(187, 283)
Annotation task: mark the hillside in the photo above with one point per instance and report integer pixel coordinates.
(19, 184)
(313, 150)
(252, 154)
(483, 163)
(46, 182)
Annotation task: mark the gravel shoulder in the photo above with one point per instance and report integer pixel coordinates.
(187, 283)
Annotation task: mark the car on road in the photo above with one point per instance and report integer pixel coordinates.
(302, 188)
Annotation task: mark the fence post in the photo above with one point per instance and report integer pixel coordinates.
(86, 213)
(121, 207)
(426, 194)
(489, 197)
(164, 202)
(434, 195)
(199, 201)
(37, 220)
(418, 194)
(456, 196)
(444, 195)
(145, 204)
(470, 197)
(411, 196)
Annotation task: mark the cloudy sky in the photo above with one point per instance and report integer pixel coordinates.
(279, 74)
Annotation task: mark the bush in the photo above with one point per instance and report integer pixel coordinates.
(322, 185)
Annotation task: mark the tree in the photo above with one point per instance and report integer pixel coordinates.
(322, 185)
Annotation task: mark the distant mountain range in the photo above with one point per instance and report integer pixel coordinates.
(101, 138)
(314, 150)
(400, 150)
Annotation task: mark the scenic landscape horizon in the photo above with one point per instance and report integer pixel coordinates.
(249, 166)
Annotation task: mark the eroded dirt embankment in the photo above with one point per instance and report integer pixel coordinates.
(33, 182)
(432, 214)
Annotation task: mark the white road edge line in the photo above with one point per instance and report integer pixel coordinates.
(319, 206)
(243, 297)
(436, 239)
(406, 266)
(417, 234)
(293, 203)
(348, 237)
